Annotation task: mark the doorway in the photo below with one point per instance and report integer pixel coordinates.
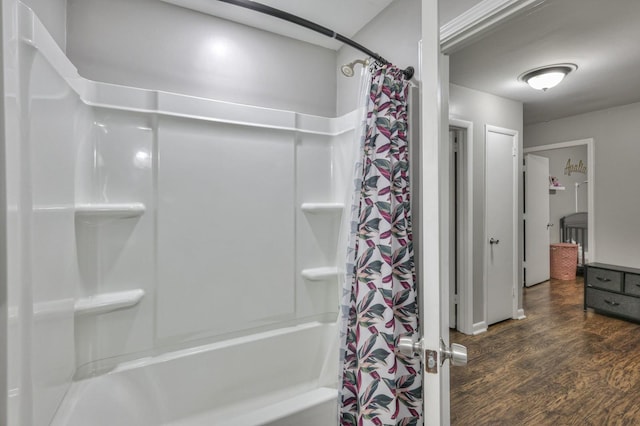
(461, 225)
(574, 194)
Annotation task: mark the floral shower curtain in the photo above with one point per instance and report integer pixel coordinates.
(379, 386)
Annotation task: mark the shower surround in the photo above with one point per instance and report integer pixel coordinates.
(165, 250)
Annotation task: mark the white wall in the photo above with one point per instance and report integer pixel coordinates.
(562, 203)
(393, 34)
(155, 45)
(616, 190)
(484, 109)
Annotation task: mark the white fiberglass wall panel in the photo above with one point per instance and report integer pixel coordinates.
(160, 46)
(43, 270)
(225, 227)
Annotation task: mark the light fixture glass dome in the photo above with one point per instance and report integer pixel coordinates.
(547, 77)
(546, 81)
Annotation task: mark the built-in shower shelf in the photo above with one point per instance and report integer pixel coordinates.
(108, 302)
(320, 274)
(327, 208)
(109, 211)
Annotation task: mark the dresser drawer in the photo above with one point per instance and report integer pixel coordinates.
(604, 278)
(618, 304)
(632, 284)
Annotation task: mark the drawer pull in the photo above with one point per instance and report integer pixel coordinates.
(604, 280)
(609, 302)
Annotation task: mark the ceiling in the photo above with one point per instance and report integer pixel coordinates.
(600, 37)
(449, 9)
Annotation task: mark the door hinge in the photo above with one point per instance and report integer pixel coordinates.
(456, 299)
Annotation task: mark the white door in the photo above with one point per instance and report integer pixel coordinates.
(432, 235)
(536, 231)
(501, 248)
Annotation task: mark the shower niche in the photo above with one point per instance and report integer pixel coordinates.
(114, 238)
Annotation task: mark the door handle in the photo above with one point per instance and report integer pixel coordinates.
(493, 241)
(456, 354)
(412, 346)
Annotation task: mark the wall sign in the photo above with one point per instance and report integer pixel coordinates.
(575, 168)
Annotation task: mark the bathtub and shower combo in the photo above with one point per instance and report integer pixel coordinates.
(172, 259)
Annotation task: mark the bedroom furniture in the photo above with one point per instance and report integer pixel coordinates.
(613, 290)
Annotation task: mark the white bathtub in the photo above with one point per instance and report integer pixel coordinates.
(240, 382)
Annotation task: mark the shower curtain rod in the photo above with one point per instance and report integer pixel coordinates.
(277, 13)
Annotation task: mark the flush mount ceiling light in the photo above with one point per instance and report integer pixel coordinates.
(546, 77)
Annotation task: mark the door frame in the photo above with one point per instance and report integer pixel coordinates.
(464, 252)
(516, 313)
(589, 142)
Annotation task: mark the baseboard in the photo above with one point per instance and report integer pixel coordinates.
(520, 314)
(479, 327)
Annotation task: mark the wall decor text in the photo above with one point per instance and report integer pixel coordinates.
(575, 168)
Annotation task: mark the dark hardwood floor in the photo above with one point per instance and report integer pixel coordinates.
(559, 366)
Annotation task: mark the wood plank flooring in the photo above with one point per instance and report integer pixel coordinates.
(559, 366)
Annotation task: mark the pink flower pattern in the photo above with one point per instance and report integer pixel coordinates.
(379, 385)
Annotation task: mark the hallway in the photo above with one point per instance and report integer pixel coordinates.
(558, 366)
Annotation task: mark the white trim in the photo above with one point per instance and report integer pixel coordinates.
(520, 314)
(475, 22)
(465, 243)
(515, 234)
(591, 212)
(479, 327)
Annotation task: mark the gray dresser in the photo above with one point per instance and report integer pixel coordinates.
(613, 290)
